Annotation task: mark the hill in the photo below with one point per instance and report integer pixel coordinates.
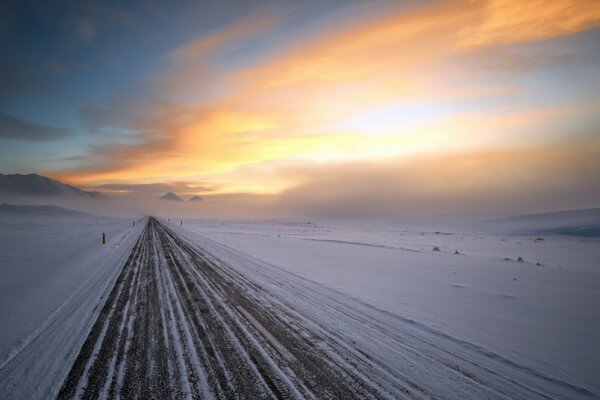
(34, 185)
(170, 196)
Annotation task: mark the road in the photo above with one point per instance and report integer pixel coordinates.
(179, 323)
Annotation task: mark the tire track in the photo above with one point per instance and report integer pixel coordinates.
(179, 323)
(174, 326)
(399, 355)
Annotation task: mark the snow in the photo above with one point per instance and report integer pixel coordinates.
(544, 317)
(532, 321)
(53, 267)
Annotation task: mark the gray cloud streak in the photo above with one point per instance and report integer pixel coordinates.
(16, 128)
(156, 188)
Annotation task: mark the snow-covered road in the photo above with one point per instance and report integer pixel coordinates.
(54, 274)
(173, 313)
(179, 323)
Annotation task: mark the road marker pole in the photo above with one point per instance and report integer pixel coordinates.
(103, 238)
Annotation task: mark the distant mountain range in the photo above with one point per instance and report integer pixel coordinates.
(171, 197)
(34, 185)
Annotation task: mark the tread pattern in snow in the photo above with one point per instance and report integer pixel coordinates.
(179, 323)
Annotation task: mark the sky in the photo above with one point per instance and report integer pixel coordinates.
(322, 107)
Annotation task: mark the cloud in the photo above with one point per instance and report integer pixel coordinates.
(492, 181)
(194, 73)
(507, 61)
(243, 29)
(300, 104)
(105, 162)
(15, 128)
(156, 188)
(510, 21)
(148, 130)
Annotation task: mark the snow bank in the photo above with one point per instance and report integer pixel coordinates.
(543, 313)
(47, 253)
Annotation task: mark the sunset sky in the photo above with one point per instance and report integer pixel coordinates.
(450, 106)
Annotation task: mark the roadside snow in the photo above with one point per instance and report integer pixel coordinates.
(544, 317)
(52, 257)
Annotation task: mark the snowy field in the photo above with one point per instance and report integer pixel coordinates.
(398, 310)
(542, 314)
(53, 272)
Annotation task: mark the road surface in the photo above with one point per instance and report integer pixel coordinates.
(179, 323)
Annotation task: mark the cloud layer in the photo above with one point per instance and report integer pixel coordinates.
(19, 129)
(434, 106)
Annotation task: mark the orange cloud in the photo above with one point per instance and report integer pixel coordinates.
(508, 21)
(456, 182)
(240, 30)
(295, 106)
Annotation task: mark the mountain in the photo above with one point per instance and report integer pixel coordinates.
(196, 198)
(171, 197)
(34, 185)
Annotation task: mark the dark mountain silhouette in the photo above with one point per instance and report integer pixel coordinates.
(34, 185)
(171, 197)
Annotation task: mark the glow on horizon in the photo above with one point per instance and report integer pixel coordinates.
(436, 78)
